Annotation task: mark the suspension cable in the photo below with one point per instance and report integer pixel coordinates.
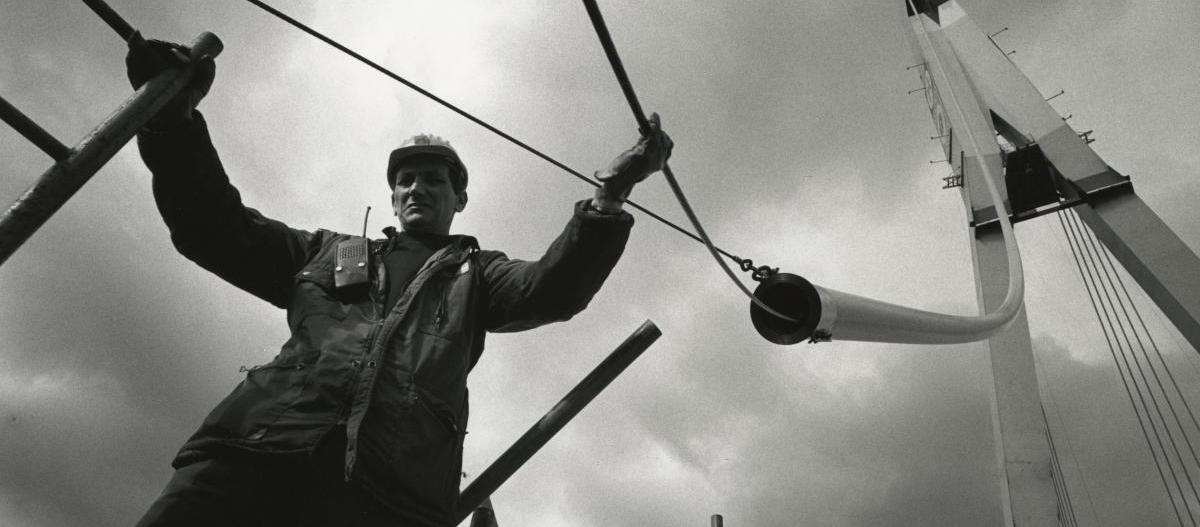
(1108, 284)
(1066, 511)
(1086, 277)
(1101, 287)
(610, 50)
(1153, 344)
(743, 262)
(1047, 389)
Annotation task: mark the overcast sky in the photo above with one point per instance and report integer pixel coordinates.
(795, 142)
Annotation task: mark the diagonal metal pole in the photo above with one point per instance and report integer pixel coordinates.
(30, 211)
(114, 20)
(34, 133)
(554, 420)
(131, 36)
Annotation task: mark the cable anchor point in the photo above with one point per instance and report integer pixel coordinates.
(759, 273)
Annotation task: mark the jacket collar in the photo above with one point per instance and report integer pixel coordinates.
(458, 241)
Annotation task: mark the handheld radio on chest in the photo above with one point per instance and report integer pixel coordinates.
(352, 258)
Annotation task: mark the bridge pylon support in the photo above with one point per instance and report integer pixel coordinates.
(975, 92)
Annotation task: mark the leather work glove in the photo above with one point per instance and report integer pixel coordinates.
(144, 62)
(632, 166)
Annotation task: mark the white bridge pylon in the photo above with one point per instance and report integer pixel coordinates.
(991, 119)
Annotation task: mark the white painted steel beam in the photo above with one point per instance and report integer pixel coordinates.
(1023, 454)
(1166, 268)
(971, 148)
(964, 73)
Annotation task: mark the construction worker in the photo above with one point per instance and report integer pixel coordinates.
(360, 418)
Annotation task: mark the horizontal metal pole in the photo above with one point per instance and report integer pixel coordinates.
(62, 180)
(562, 413)
(34, 133)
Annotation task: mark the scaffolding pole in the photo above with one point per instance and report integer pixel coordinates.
(31, 131)
(48, 194)
(554, 420)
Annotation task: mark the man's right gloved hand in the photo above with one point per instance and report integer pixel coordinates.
(144, 62)
(632, 166)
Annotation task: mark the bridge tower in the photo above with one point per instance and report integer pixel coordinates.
(988, 115)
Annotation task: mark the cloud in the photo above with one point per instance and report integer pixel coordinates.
(797, 147)
(69, 457)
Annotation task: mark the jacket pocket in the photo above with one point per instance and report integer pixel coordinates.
(267, 392)
(425, 451)
(278, 364)
(447, 299)
(314, 295)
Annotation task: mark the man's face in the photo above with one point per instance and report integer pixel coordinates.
(424, 198)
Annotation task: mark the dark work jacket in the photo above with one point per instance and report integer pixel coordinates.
(397, 379)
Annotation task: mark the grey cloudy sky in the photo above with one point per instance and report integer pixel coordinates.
(795, 142)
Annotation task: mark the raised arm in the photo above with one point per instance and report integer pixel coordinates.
(204, 212)
(526, 294)
(562, 282)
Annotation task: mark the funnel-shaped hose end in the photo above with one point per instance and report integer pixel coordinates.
(793, 296)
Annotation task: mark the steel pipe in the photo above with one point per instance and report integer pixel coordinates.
(34, 133)
(554, 420)
(127, 33)
(30, 211)
(484, 515)
(825, 314)
(110, 17)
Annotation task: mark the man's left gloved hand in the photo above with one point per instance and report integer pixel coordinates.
(632, 166)
(145, 61)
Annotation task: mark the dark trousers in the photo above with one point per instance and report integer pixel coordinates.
(262, 490)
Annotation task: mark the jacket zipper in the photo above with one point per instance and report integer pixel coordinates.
(387, 329)
(264, 367)
(428, 269)
(441, 313)
(390, 324)
(378, 295)
(446, 420)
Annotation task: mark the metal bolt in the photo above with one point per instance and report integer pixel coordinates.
(338, 268)
(362, 264)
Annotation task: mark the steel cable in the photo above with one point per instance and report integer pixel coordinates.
(1085, 276)
(470, 117)
(1067, 436)
(1066, 510)
(1108, 285)
(1153, 344)
(1101, 288)
(614, 60)
(1107, 282)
